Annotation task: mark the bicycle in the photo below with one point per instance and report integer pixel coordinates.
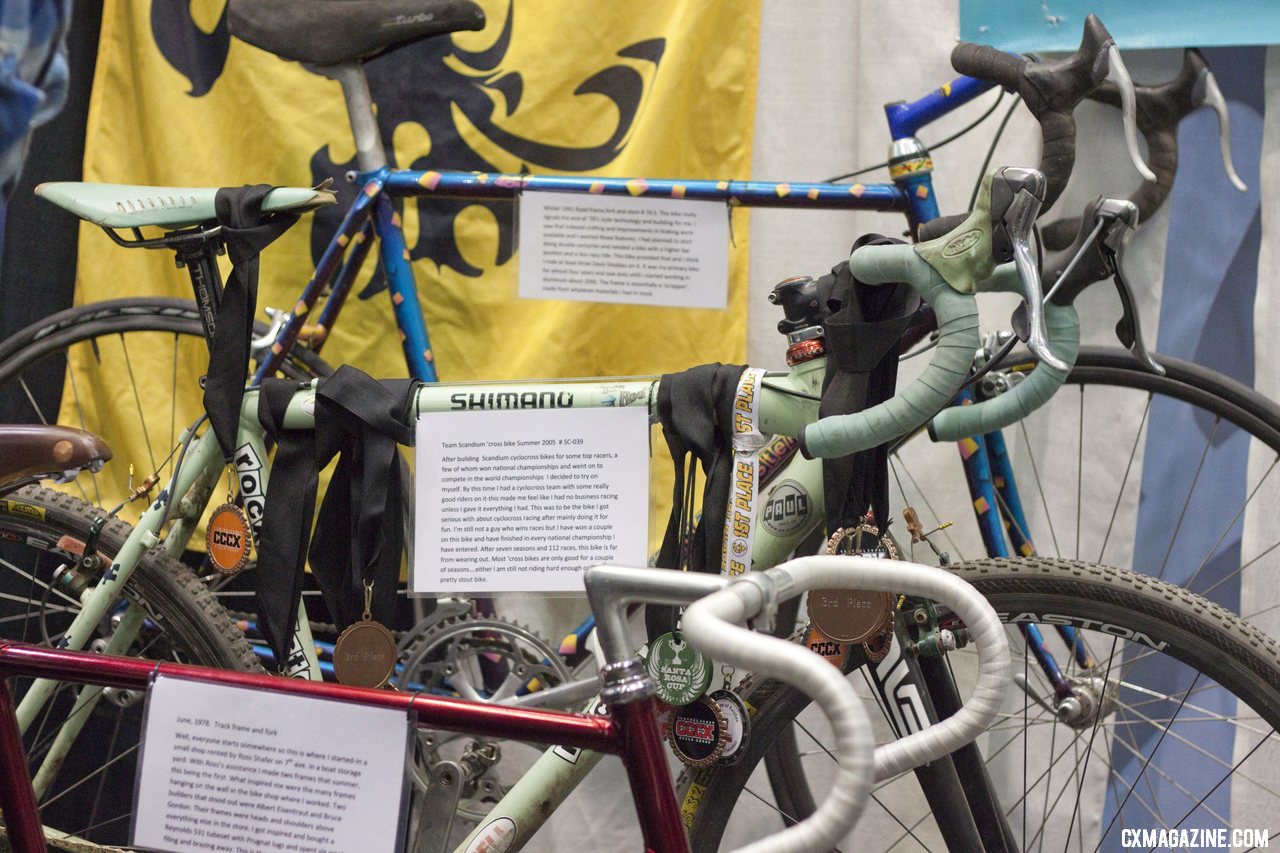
(908, 116)
(630, 729)
(166, 331)
(1052, 588)
(931, 104)
(115, 338)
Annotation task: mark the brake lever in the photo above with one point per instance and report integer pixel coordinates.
(1128, 327)
(1119, 218)
(1118, 74)
(1208, 94)
(1020, 192)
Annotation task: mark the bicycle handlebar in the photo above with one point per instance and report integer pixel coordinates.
(945, 272)
(711, 625)
(1159, 109)
(1051, 91)
(1095, 255)
(957, 315)
(1063, 327)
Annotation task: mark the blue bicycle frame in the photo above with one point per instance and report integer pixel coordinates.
(374, 215)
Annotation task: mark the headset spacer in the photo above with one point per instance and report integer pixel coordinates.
(803, 351)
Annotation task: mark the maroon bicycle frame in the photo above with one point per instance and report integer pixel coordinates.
(630, 731)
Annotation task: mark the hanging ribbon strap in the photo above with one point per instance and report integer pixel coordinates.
(862, 334)
(359, 532)
(740, 512)
(246, 233)
(695, 408)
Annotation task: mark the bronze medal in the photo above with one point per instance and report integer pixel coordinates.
(877, 648)
(849, 615)
(852, 615)
(365, 654)
(229, 539)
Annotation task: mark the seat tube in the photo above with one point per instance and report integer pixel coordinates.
(404, 291)
(982, 490)
(1006, 485)
(651, 787)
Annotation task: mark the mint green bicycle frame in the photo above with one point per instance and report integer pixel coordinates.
(789, 401)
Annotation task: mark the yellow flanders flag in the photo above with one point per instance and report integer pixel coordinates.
(629, 88)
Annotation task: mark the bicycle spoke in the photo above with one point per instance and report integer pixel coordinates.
(894, 461)
(137, 402)
(1189, 584)
(1093, 734)
(1186, 504)
(1228, 775)
(173, 396)
(35, 580)
(35, 407)
(1124, 481)
(1079, 474)
(1035, 476)
(1132, 749)
(39, 413)
(75, 395)
(1244, 566)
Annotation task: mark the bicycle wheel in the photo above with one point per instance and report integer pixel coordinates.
(1201, 450)
(1183, 735)
(115, 341)
(42, 531)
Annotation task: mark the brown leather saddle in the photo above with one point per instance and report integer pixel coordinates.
(37, 452)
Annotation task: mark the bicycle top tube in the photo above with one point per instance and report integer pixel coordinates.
(489, 185)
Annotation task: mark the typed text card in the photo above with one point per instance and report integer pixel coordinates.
(525, 501)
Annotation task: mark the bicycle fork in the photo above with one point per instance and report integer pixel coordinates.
(915, 692)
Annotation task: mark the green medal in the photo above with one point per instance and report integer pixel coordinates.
(681, 671)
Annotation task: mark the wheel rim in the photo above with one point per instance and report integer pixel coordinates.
(90, 797)
(1038, 763)
(1205, 521)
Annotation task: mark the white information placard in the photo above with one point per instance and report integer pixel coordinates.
(526, 500)
(634, 250)
(230, 769)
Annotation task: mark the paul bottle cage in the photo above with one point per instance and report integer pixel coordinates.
(1159, 111)
(946, 272)
(1051, 91)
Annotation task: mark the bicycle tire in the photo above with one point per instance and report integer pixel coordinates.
(110, 338)
(40, 530)
(1198, 635)
(1092, 513)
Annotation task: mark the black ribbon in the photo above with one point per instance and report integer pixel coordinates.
(862, 333)
(246, 232)
(695, 408)
(359, 532)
